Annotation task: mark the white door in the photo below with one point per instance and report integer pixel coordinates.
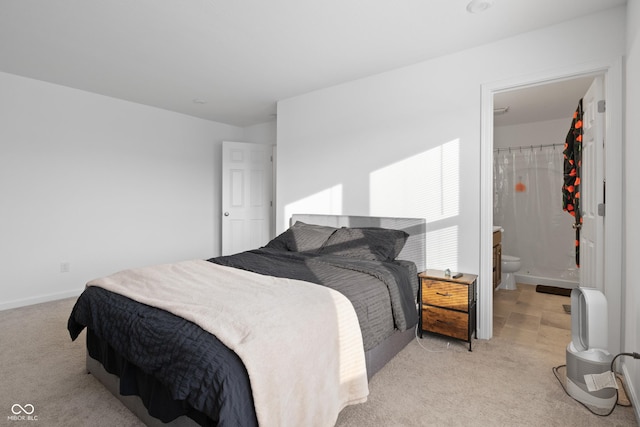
(246, 196)
(592, 188)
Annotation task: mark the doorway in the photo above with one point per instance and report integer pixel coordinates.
(612, 72)
(247, 195)
(530, 128)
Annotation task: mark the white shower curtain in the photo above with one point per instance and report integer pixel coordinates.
(527, 204)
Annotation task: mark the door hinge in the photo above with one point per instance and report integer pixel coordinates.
(601, 209)
(602, 106)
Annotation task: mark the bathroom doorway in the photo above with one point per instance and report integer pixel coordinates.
(612, 72)
(530, 128)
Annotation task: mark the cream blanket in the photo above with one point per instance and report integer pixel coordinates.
(300, 342)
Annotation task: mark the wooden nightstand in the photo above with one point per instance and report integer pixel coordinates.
(448, 305)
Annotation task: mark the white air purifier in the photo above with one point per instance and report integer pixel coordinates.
(587, 354)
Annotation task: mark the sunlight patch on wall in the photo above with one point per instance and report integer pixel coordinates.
(442, 181)
(426, 185)
(393, 189)
(442, 248)
(327, 201)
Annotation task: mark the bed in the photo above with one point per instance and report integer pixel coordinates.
(170, 381)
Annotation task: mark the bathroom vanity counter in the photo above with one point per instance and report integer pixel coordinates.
(497, 256)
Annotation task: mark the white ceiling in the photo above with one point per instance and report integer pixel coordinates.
(557, 100)
(241, 56)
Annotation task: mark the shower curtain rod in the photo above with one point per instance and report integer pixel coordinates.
(526, 147)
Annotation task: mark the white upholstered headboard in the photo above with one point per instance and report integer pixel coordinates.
(414, 250)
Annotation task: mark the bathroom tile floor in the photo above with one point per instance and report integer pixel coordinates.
(531, 318)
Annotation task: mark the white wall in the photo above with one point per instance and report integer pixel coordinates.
(632, 203)
(101, 184)
(407, 142)
(535, 133)
(262, 133)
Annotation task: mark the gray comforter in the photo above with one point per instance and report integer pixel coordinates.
(383, 293)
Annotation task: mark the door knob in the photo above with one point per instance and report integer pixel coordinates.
(226, 214)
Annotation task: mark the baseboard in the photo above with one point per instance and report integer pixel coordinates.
(632, 393)
(39, 299)
(539, 280)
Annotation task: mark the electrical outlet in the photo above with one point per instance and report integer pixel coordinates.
(65, 267)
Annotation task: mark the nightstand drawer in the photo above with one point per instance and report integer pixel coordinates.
(445, 322)
(446, 294)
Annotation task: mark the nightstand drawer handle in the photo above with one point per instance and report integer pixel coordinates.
(444, 295)
(442, 321)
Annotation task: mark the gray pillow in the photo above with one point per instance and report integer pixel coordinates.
(302, 237)
(380, 244)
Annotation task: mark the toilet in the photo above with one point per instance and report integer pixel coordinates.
(510, 265)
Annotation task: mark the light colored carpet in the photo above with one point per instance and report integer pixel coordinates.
(498, 384)
(441, 384)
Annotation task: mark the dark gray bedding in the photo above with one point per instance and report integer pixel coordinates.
(199, 370)
(173, 364)
(383, 293)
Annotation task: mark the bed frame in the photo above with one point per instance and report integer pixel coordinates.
(414, 250)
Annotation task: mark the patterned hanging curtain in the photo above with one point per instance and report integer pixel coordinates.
(572, 165)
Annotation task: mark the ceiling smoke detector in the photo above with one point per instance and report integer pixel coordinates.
(479, 6)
